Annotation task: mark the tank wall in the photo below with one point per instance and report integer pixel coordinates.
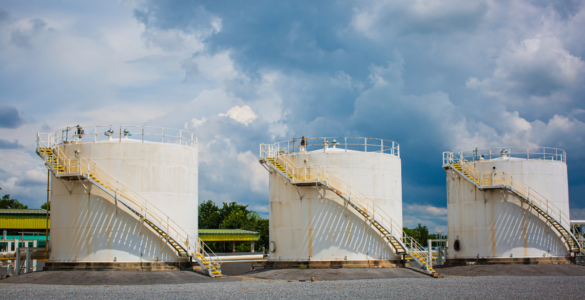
(164, 174)
(495, 224)
(86, 228)
(314, 222)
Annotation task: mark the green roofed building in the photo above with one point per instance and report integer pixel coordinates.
(33, 221)
(18, 220)
(23, 224)
(229, 235)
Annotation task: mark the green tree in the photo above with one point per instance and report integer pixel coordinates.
(420, 233)
(7, 203)
(239, 219)
(44, 206)
(262, 227)
(228, 208)
(209, 217)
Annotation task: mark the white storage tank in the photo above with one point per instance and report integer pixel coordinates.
(495, 224)
(160, 165)
(313, 224)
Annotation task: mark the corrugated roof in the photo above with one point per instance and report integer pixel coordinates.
(226, 231)
(23, 212)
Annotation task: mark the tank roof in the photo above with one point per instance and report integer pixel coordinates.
(514, 153)
(338, 144)
(117, 133)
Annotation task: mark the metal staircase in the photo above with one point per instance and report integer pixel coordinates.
(86, 170)
(277, 161)
(535, 202)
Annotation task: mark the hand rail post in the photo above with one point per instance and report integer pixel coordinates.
(345, 145)
(366, 145)
(163, 135)
(181, 137)
(120, 133)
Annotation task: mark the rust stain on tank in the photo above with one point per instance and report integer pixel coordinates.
(492, 229)
(310, 224)
(87, 228)
(524, 230)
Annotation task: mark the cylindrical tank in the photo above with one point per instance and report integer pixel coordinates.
(162, 168)
(496, 224)
(312, 223)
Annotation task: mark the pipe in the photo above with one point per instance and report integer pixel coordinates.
(34, 255)
(239, 257)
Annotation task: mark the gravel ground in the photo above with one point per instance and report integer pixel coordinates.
(490, 287)
(513, 270)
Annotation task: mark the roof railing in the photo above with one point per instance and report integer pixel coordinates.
(119, 133)
(533, 153)
(346, 143)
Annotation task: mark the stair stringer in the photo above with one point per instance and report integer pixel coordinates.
(568, 238)
(204, 262)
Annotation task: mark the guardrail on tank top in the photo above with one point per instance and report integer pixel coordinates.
(319, 173)
(120, 133)
(339, 143)
(83, 168)
(536, 153)
(507, 180)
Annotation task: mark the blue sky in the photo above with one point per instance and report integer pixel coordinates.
(433, 75)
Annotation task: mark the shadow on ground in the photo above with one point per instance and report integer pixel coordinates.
(114, 278)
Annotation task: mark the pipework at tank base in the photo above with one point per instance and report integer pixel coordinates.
(556, 260)
(119, 266)
(335, 264)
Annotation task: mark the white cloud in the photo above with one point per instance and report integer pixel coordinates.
(253, 172)
(536, 69)
(194, 123)
(435, 218)
(244, 114)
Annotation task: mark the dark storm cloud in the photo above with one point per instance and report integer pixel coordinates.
(399, 70)
(432, 75)
(9, 117)
(4, 15)
(22, 38)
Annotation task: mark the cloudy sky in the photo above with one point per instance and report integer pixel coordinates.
(433, 75)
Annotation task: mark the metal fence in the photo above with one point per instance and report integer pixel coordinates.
(540, 153)
(120, 133)
(344, 143)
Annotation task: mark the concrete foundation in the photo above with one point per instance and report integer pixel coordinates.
(519, 261)
(106, 266)
(335, 264)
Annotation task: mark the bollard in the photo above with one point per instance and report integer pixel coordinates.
(34, 264)
(27, 262)
(17, 258)
(312, 278)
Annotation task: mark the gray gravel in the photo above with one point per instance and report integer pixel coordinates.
(489, 287)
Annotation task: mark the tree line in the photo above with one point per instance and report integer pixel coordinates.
(421, 234)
